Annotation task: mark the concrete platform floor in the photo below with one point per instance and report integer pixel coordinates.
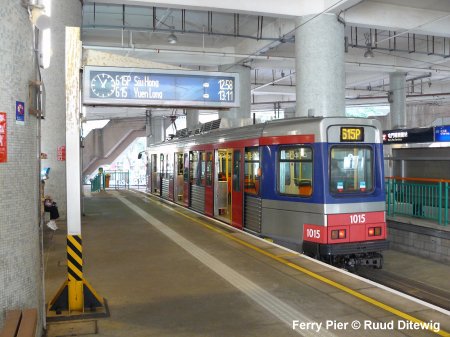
(183, 278)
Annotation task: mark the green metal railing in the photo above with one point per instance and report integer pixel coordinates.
(416, 197)
(117, 179)
(96, 183)
(111, 179)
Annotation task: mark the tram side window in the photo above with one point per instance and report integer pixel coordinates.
(351, 169)
(295, 170)
(208, 169)
(161, 164)
(186, 168)
(251, 171)
(180, 164)
(154, 163)
(169, 167)
(202, 168)
(194, 166)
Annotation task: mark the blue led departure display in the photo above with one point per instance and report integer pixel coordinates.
(132, 86)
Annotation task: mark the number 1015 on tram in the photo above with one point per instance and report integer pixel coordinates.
(315, 185)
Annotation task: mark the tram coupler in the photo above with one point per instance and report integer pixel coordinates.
(374, 260)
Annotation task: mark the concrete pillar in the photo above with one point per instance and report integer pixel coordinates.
(63, 13)
(397, 99)
(192, 119)
(236, 117)
(20, 263)
(158, 130)
(319, 64)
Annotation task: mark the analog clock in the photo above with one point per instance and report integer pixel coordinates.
(103, 85)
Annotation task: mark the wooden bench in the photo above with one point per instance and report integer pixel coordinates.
(20, 323)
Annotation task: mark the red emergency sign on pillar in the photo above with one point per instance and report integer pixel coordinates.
(3, 142)
(61, 153)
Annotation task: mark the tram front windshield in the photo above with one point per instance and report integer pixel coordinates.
(351, 169)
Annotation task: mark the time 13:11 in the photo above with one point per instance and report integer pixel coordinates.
(225, 95)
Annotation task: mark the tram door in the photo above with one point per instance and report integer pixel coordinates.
(222, 184)
(155, 174)
(179, 183)
(237, 189)
(186, 180)
(148, 174)
(209, 173)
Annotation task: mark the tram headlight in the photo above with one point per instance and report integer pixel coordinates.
(338, 234)
(334, 235)
(374, 231)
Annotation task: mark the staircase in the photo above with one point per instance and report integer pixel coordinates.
(103, 146)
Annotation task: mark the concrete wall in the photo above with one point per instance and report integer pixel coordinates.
(20, 281)
(63, 13)
(420, 241)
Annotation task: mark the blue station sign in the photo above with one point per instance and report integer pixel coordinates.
(442, 133)
(159, 87)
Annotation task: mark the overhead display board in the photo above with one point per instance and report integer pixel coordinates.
(402, 136)
(159, 87)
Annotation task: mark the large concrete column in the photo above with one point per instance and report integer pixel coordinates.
(236, 117)
(191, 119)
(20, 263)
(397, 84)
(157, 130)
(63, 13)
(319, 63)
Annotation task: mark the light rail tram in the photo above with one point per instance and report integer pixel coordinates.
(315, 185)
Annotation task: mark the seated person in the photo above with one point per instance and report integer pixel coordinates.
(50, 206)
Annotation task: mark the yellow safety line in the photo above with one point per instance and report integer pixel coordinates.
(314, 275)
(287, 255)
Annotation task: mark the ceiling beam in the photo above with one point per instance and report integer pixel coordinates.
(283, 90)
(402, 19)
(286, 8)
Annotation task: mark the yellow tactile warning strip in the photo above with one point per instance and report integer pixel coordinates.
(74, 258)
(323, 279)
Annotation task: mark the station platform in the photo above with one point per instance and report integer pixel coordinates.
(166, 271)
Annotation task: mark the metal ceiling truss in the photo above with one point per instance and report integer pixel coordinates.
(391, 42)
(177, 28)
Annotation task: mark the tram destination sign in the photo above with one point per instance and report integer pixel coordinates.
(159, 87)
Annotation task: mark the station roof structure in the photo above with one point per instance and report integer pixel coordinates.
(381, 37)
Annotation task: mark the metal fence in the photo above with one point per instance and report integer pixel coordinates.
(111, 179)
(96, 183)
(416, 197)
(117, 179)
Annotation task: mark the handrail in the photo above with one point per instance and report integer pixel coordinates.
(430, 180)
(424, 198)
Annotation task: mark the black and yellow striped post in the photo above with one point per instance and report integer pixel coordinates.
(76, 299)
(75, 272)
(76, 296)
